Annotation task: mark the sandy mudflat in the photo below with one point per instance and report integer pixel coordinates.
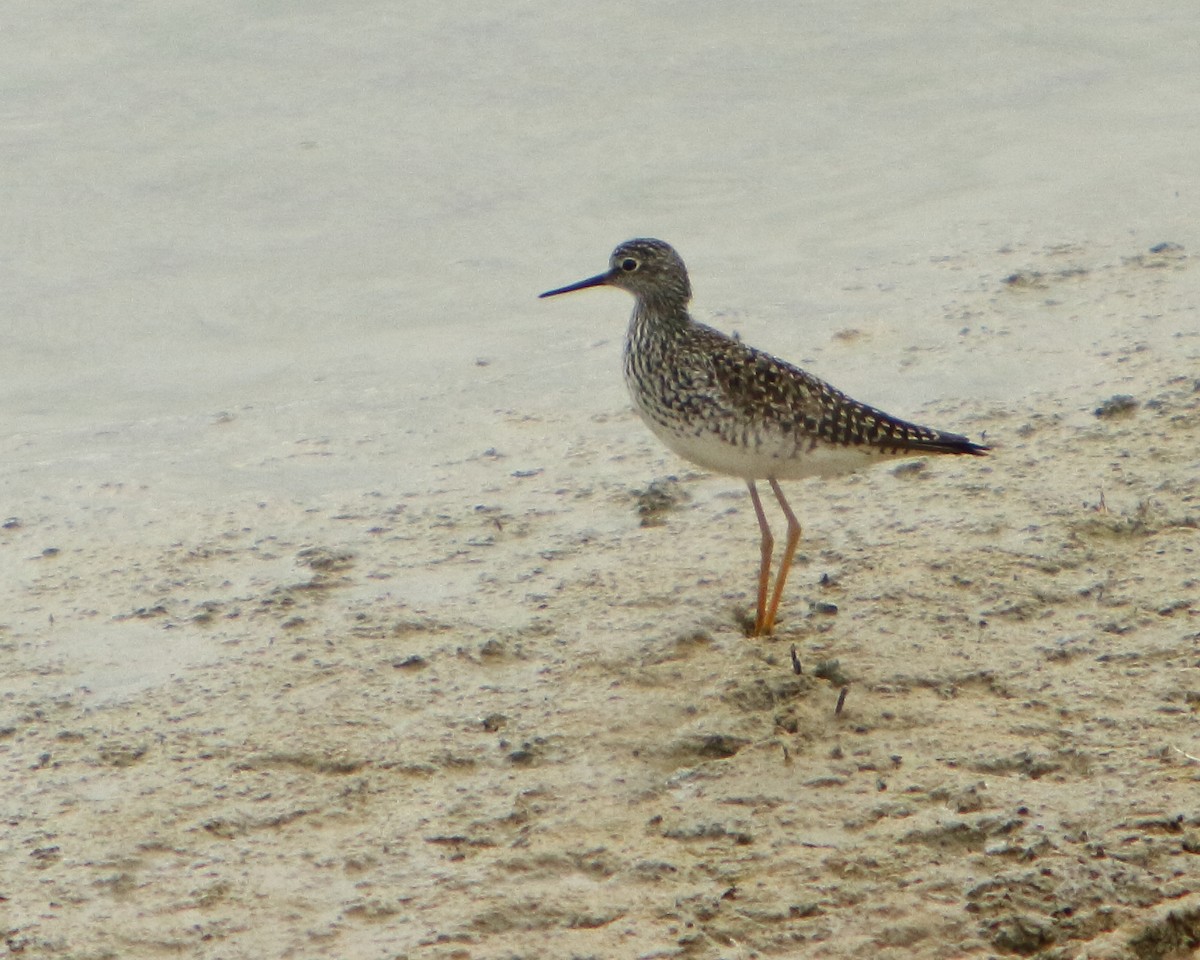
(329, 625)
(498, 717)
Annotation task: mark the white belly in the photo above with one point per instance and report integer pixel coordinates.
(767, 456)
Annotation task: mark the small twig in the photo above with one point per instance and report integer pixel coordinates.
(837, 711)
(1188, 755)
(796, 667)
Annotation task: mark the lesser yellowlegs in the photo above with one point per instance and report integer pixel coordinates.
(739, 411)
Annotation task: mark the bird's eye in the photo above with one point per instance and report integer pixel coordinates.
(629, 264)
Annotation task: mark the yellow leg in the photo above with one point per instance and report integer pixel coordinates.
(764, 569)
(785, 565)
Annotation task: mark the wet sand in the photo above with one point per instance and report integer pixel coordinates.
(331, 619)
(500, 712)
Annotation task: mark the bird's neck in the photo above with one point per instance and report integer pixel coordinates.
(653, 317)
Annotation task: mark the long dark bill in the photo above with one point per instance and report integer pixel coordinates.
(597, 281)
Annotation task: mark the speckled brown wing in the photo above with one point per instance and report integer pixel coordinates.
(760, 387)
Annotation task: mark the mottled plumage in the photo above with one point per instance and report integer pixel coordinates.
(734, 409)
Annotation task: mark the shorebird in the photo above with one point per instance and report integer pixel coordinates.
(739, 411)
